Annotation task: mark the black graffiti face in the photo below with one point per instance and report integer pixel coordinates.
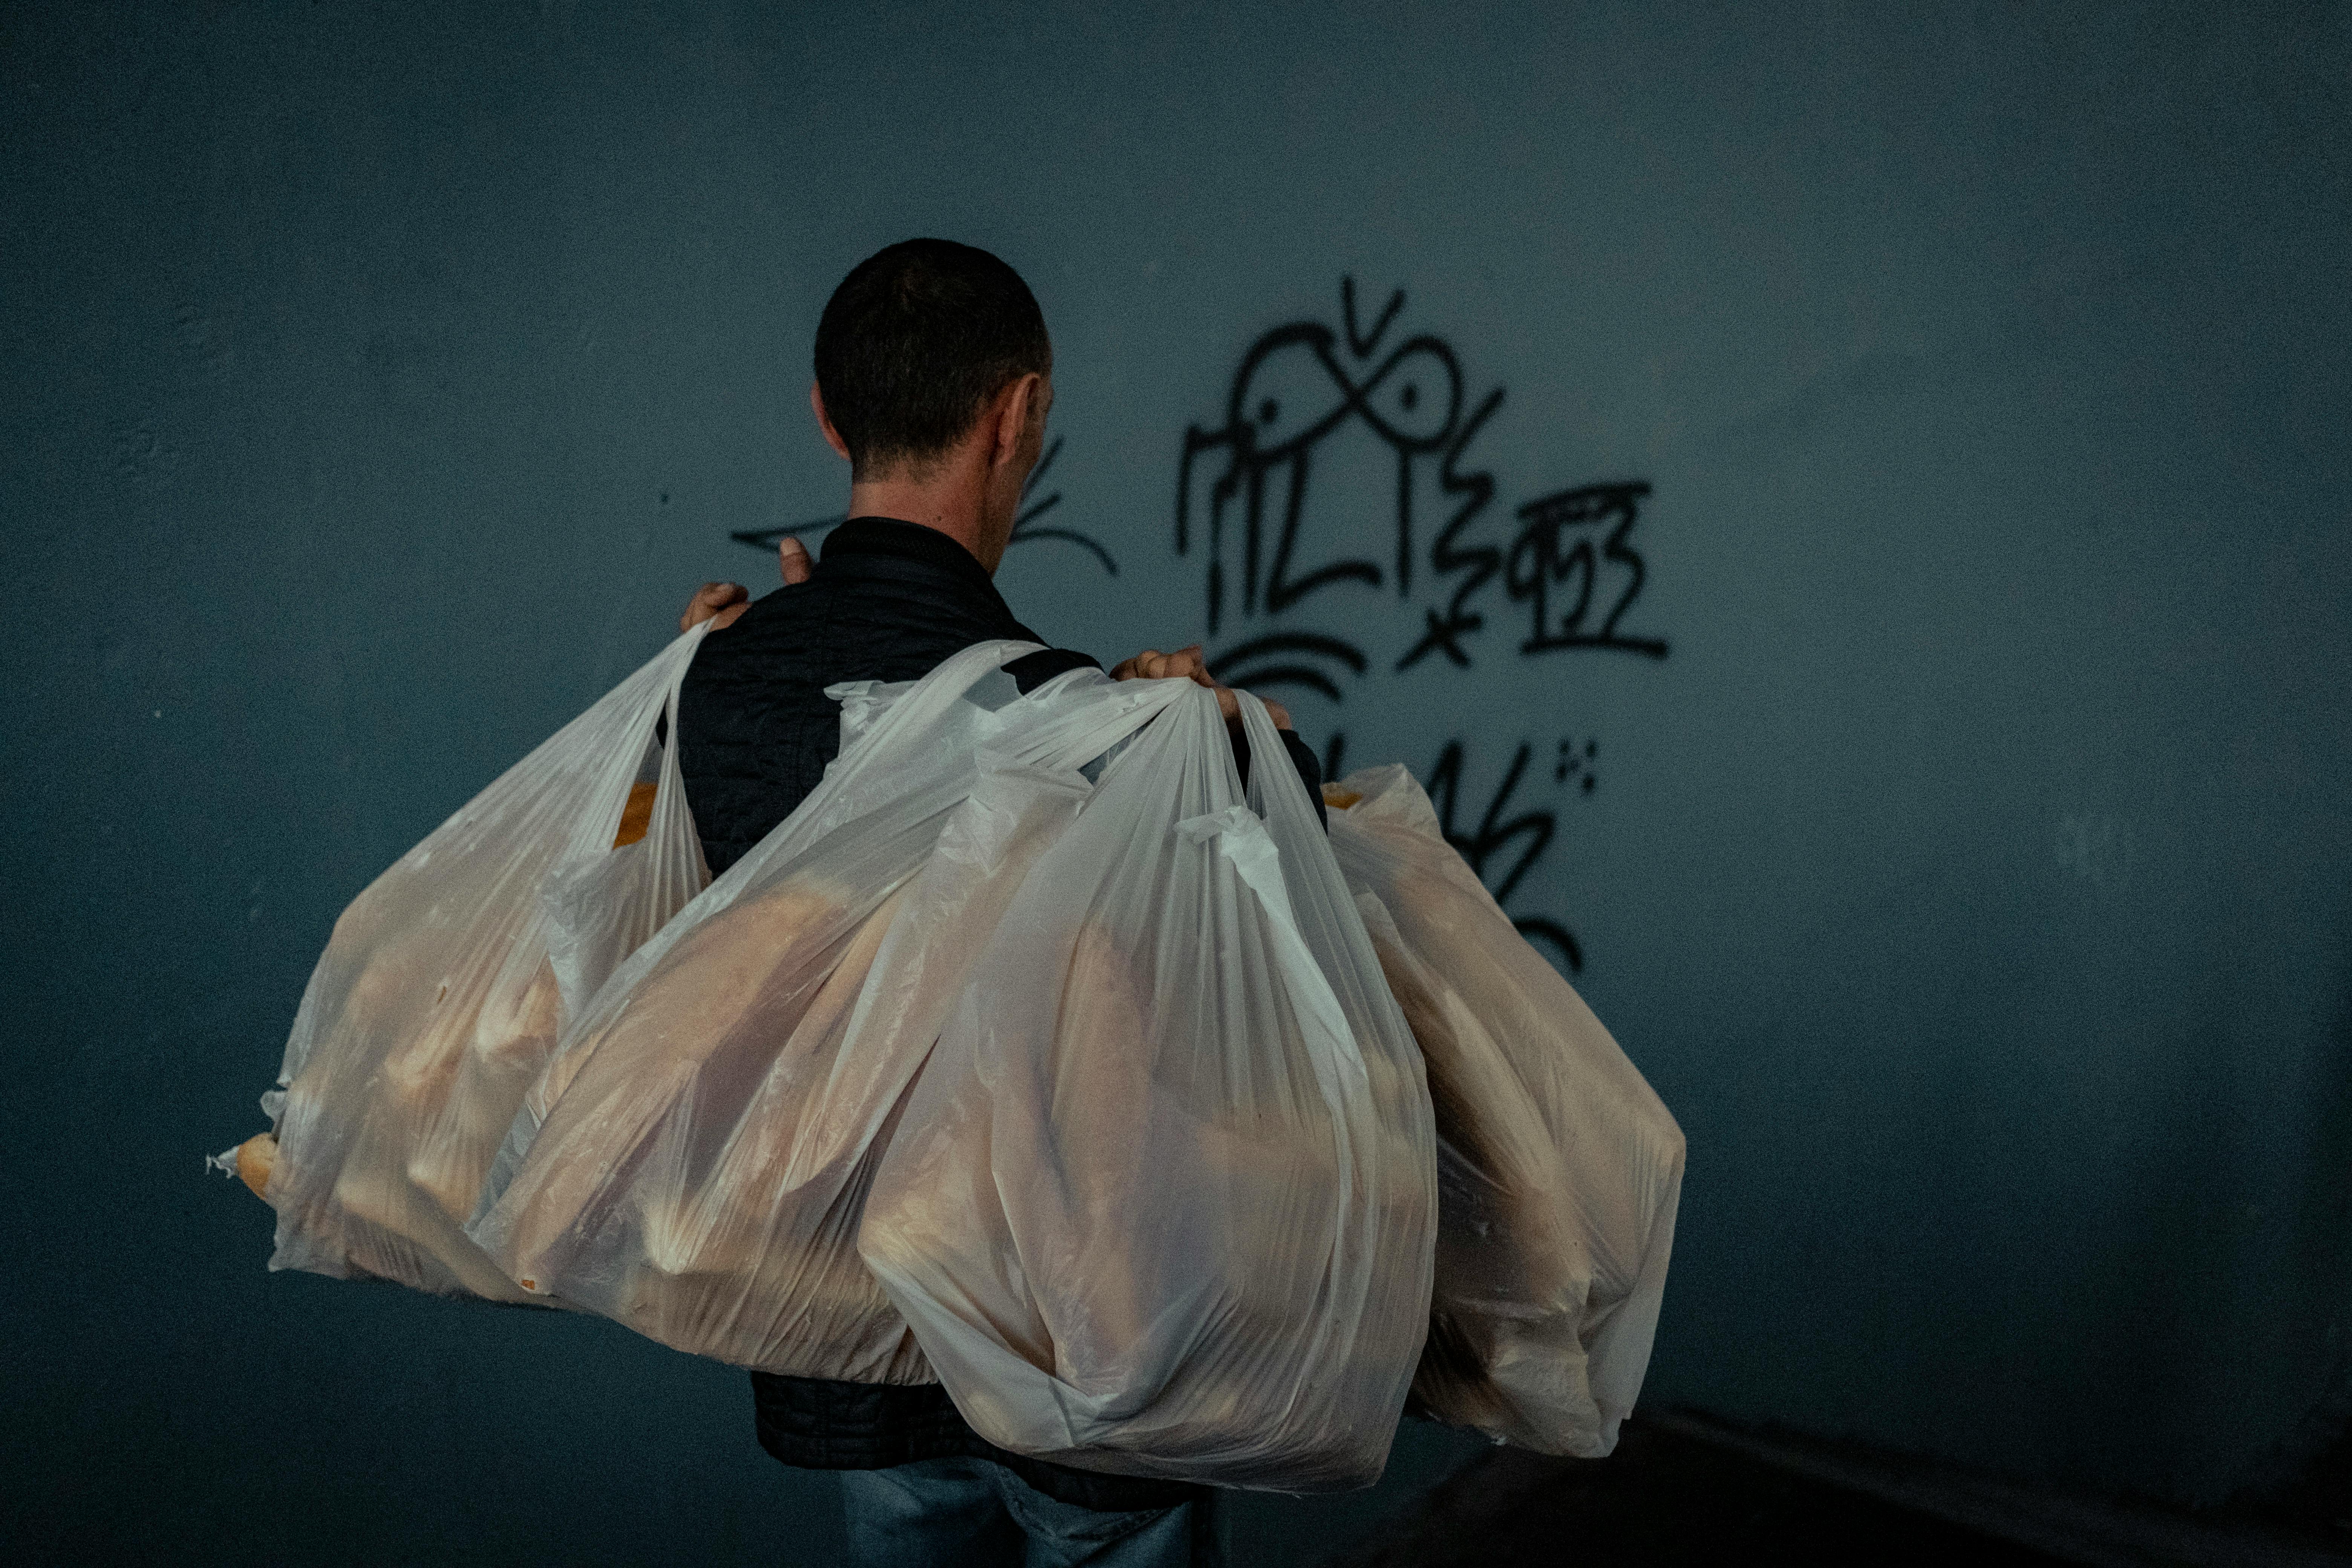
(1292, 393)
(1295, 387)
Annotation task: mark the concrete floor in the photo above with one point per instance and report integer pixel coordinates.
(1664, 1497)
(1683, 1490)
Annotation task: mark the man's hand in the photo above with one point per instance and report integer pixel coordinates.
(722, 602)
(1152, 665)
(1187, 664)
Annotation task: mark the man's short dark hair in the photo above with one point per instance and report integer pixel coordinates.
(917, 338)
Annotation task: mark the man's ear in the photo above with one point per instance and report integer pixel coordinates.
(1013, 407)
(832, 437)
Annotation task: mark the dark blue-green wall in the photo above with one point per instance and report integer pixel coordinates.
(1969, 873)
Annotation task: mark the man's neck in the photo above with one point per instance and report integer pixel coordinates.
(949, 501)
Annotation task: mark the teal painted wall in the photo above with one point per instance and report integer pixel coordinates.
(1971, 874)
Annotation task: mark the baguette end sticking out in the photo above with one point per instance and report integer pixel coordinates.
(254, 1156)
(636, 817)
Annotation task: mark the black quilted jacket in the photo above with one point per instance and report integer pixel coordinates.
(888, 601)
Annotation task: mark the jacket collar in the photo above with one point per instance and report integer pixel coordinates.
(909, 542)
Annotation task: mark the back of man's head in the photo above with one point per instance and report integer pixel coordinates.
(914, 342)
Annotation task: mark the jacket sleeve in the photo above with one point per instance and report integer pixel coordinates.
(1311, 774)
(1310, 770)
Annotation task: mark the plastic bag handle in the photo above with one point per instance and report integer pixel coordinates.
(665, 674)
(672, 830)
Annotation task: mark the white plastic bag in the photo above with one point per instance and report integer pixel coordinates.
(1162, 1202)
(694, 1162)
(441, 994)
(1558, 1169)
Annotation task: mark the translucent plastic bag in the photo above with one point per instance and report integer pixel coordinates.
(1558, 1169)
(440, 997)
(695, 1160)
(1163, 1200)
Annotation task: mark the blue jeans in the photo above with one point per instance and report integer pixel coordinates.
(972, 1512)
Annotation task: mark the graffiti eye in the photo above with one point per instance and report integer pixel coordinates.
(1267, 410)
(1409, 395)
